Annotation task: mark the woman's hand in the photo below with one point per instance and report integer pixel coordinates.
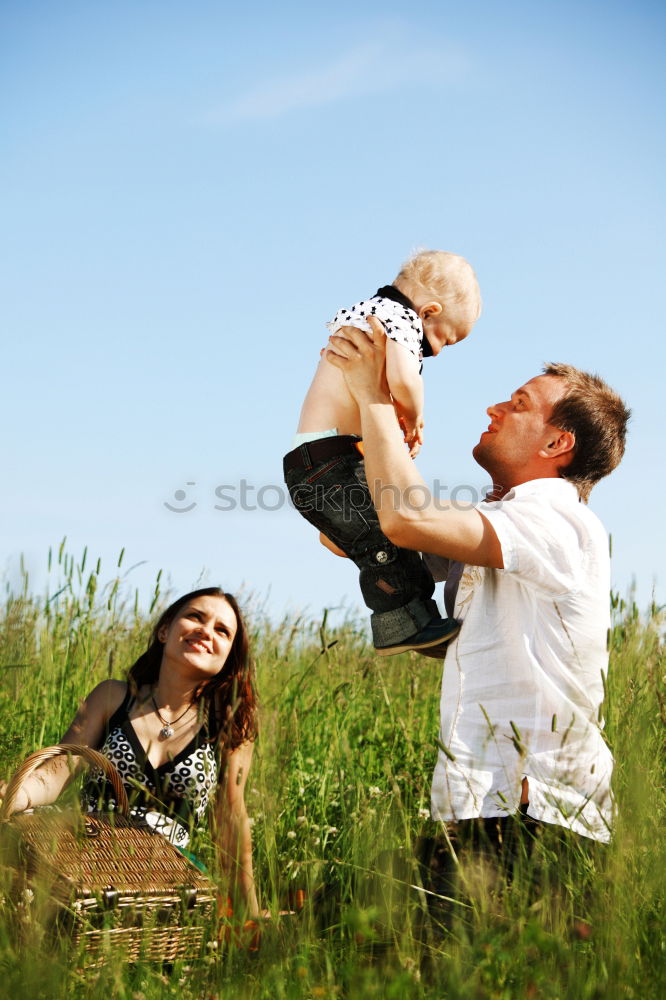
(21, 800)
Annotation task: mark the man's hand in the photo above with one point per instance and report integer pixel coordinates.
(361, 358)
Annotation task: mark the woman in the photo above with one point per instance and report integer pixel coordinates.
(180, 732)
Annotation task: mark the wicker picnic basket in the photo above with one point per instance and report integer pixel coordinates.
(104, 882)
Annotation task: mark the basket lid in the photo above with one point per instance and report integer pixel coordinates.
(90, 853)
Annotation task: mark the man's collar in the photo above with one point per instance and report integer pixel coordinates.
(547, 484)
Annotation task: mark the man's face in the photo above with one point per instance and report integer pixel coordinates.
(518, 431)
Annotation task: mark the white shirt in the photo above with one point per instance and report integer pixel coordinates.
(522, 684)
(400, 323)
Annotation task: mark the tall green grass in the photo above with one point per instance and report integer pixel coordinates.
(339, 794)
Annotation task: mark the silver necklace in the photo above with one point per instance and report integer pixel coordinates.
(167, 730)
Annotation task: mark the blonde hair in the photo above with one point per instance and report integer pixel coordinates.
(447, 276)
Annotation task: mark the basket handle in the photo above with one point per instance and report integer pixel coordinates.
(93, 757)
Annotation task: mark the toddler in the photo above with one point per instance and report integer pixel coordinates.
(433, 303)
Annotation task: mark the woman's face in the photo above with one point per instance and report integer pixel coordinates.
(200, 636)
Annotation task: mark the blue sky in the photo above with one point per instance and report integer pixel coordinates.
(190, 190)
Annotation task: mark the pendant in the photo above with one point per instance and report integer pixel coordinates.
(166, 732)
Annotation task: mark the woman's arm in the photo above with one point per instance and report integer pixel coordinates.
(231, 829)
(46, 783)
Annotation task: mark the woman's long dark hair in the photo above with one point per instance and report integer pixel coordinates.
(230, 695)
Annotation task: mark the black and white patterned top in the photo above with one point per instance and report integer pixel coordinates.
(401, 323)
(172, 798)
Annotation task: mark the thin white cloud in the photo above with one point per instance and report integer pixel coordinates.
(374, 67)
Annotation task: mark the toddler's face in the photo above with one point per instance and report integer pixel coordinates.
(444, 329)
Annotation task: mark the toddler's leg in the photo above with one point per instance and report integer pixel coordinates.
(396, 584)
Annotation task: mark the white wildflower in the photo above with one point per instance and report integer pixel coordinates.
(374, 792)
(291, 834)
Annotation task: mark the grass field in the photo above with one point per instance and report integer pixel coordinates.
(339, 794)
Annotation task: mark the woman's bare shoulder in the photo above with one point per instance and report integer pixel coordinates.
(107, 697)
(94, 712)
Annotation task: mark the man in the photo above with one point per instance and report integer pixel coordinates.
(523, 682)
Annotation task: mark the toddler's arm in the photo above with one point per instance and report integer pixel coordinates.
(406, 387)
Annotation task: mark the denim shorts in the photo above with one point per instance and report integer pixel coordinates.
(333, 496)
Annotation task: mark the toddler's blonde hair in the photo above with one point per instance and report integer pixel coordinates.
(447, 276)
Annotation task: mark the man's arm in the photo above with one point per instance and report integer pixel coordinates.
(407, 514)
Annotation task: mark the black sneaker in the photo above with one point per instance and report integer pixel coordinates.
(436, 634)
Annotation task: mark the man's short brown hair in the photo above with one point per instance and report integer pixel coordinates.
(597, 417)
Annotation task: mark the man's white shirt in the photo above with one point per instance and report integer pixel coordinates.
(523, 681)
